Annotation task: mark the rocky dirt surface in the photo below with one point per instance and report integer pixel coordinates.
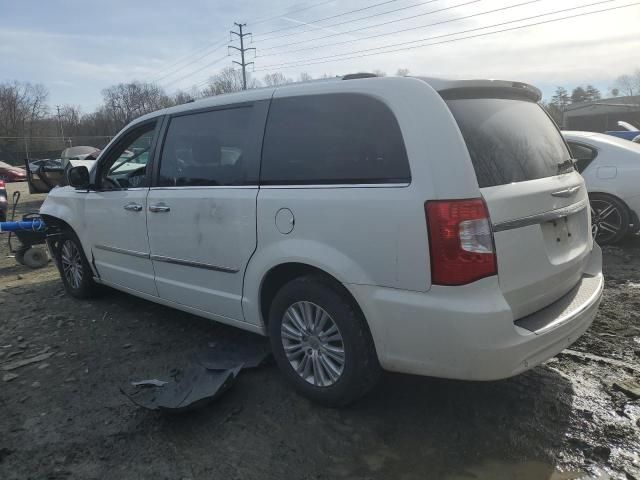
(63, 415)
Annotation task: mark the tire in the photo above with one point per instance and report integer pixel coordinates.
(326, 376)
(75, 272)
(610, 218)
(35, 257)
(19, 256)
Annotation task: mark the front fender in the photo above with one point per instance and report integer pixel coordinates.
(68, 205)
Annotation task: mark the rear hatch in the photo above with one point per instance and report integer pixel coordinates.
(537, 202)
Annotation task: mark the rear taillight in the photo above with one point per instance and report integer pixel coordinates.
(460, 241)
(2, 184)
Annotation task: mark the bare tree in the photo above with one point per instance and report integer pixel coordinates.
(304, 77)
(71, 118)
(22, 107)
(275, 79)
(226, 81)
(379, 73)
(402, 72)
(628, 84)
(181, 97)
(127, 101)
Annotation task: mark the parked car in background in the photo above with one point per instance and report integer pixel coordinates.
(628, 132)
(9, 173)
(80, 153)
(4, 203)
(358, 222)
(611, 169)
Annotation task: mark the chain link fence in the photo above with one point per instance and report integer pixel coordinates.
(14, 150)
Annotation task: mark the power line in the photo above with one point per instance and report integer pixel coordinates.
(368, 7)
(218, 47)
(290, 12)
(396, 31)
(447, 34)
(379, 14)
(442, 22)
(189, 55)
(196, 71)
(313, 62)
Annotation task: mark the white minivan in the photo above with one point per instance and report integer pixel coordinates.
(415, 225)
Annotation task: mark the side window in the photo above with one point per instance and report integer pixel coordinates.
(333, 138)
(213, 148)
(125, 166)
(582, 154)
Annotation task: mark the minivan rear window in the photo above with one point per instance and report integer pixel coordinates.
(510, 140)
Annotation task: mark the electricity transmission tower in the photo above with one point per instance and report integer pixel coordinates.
(242, 63)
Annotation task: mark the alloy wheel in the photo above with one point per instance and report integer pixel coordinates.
(71, 260)
(606, 220)
(313, 344)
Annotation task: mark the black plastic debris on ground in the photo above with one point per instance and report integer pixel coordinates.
(251, 352)
(211, 373)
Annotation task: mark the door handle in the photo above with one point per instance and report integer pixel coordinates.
(133, 207)
(160, 207)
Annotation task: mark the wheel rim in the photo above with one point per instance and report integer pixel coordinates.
(313, 344)
(606, 220)
(71, 264)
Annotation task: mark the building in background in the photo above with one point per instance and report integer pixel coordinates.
(602, 115)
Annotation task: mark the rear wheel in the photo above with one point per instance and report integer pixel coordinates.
(609, 218)
(75, 271)
(321, 341)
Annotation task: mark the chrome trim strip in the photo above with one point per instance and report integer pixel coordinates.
(210, 187)
(124, 251)
(339, 185)
(567, 192)
(255, 187)
(188, 263)
(541, 217)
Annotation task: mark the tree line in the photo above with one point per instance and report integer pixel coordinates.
(624, 85)
(31, 128)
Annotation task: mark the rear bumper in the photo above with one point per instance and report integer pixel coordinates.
(469, 332)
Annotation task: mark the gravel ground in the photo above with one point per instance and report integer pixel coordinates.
(64, 416)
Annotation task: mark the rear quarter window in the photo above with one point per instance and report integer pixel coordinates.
(510, 140)
(332, 139)
(582, 154)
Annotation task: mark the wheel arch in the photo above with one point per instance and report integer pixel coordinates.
(56, 225)
(280, 274)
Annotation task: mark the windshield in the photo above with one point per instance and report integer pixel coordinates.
(510, 140)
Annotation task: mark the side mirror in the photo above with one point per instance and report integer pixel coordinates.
(78, 177)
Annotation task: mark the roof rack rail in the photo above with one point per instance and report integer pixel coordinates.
(353, 76)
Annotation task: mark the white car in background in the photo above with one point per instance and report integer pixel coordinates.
(611, 169)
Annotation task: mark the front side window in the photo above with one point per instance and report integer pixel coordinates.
(332, 139)
(214, 148)
(127, 164)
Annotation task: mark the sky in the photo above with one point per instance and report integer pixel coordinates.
(76, 48)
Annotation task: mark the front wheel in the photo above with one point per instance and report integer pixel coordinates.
(321, 342)
(609, 218)
(76, 274)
